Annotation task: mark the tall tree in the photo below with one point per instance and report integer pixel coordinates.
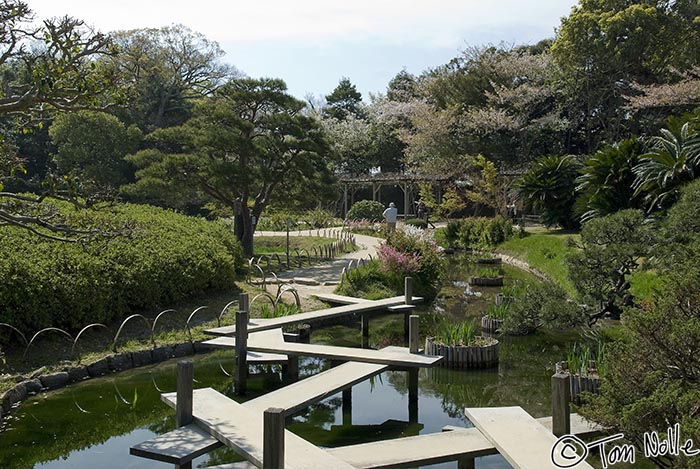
(605, 46)
(46, 69)
(169, 68)
(93, 145)
(345, 100)
(244, 143)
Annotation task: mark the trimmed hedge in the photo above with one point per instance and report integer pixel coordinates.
(168, 257)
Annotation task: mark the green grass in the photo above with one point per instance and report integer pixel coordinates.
(544, 250)
(644, 284)
(278, 244)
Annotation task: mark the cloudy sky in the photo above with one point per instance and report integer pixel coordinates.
(311, 44)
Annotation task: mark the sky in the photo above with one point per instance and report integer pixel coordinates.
(312, 44)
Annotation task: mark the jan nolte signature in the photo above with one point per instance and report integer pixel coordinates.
(570, 450)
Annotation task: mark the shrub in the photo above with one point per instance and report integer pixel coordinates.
(420, 243)
(318, 218)
(170, 256)
(397, 262)
(479, 232)
(367, 210)
(418, 223)
(369, 281)
(277, 221)
(542, 305)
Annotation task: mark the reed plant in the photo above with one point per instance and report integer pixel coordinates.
(454, 334)
(489, 273)
(498, 311)
(582, 359)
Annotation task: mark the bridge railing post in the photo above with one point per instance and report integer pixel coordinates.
(183, 407)
(561, 412)
(273, 438)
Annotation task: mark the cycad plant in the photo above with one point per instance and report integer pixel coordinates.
(673, 160)
(549, 188)
(605, 183)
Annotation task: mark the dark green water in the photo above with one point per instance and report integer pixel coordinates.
(93, 424)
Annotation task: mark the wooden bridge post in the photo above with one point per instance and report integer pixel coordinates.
(183, 408)
(241, 378)
(365, 330)
(408, 290)
(467, 463)
(347, 406)
(413, 395)
(561, 412)
(273, 438)
(413, 333)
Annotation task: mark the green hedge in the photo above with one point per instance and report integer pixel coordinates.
(168, 257)
(366, 210)
(478, 232)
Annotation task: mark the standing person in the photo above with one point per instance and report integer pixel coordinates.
(390, 215)
(420, 210)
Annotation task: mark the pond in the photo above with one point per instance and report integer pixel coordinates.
(94, 423)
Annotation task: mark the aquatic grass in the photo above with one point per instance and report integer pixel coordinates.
(514, 290)
(489, 273)
(498, 311)
(454, 334)
(582, 359)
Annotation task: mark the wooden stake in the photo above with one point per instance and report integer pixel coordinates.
(241, 378)
(413, 333)
(561, 412)
(408, 290)
(183, 408)
(273, 438)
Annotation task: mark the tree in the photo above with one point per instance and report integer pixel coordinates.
(57, 73)
(605, 184)
(673, 160)
(610, 249)
(651, 378)
(241, 146)
(402, 87)
(46, 70)
(345, 100)
(549, 187)
(169, 68)
(604, 47)
(93, 145)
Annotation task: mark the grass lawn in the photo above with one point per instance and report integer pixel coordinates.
(545, 250)
(278, 244)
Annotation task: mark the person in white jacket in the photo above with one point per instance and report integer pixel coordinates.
(390, 215)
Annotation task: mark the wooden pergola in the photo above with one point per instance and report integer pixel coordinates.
(406, 181)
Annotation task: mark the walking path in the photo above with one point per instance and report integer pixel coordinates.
(326, 274)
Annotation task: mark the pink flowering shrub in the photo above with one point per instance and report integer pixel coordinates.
(397, 262)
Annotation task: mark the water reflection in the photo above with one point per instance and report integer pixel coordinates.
(94, 423)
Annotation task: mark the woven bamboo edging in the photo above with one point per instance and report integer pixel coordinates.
(490, 324)
(579, 384)
(460, 356)
(502, 299)
(487, 281)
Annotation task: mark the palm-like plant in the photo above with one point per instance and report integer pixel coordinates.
(673, 160)
(549, 188)
(605, 184)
